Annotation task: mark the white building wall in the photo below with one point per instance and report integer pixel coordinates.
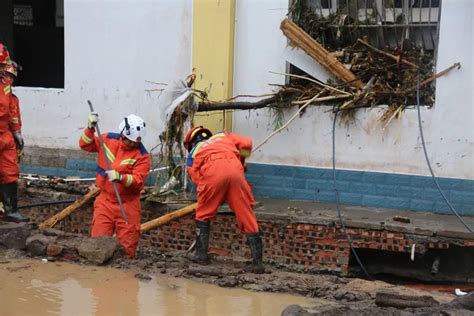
(364, 145)
(111, 48)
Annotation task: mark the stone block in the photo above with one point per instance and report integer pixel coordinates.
(416, 193)
(421, 205)
(421, 182)
(373, 200)
(36, 245)
(307, 173)
(14, 235)
(351, 176)
(462, 197)
(399, 203)
(319, 185)
(296, 183)
(387, 190)
(374, 177)
(275, 181)
(257, 168)
(398, 179)
(98, 249)
(304, 194)
(351, 198)
(363, 188)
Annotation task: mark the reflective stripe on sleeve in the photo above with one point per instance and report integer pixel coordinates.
(129, 180)
(86, 139)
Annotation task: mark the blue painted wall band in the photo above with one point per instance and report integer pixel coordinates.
(363, 188)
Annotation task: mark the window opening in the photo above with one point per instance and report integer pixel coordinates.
(405, 28)
(33, 31)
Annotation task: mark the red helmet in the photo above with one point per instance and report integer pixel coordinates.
(4, 55)
(196, 134)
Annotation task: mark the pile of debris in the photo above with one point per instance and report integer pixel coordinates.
(361, 76)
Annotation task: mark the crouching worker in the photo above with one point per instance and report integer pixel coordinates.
(130, 165)
(216, 165)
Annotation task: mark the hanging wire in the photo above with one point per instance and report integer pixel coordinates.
(338, 206)
(435, 180)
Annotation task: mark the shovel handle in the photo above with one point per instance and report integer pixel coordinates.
(107, 162)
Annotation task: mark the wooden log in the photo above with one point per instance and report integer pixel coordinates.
(215, 106)
(53, 220)
(165, 219)
(299, 38)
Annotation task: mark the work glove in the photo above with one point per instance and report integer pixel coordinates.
(114, 175)
(92, 120)
(18, 140)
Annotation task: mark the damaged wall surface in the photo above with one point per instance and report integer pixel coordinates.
(364, 145)
(111, 48)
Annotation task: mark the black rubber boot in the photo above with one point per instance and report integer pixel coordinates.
(10, 203)
(202, 241)
(255, 242)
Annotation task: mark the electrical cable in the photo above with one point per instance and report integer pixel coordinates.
(338, 207)
(428, 160)
(46, 203)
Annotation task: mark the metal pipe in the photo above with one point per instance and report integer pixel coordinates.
(109, 167)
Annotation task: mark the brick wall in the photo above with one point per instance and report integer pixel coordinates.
(294, 245)
(364, 188)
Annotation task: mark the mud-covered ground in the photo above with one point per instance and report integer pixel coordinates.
(345, 296)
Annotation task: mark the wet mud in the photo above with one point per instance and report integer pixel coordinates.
(33, 287)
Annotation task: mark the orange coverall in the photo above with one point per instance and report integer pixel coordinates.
(9, 122)
(134, 165)
(215, 166)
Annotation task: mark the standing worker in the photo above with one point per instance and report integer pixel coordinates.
(11, 141)
(130, 165)
(216, 165)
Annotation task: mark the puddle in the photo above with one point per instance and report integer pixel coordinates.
(30, 287)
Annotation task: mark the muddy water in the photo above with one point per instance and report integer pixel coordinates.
(30, 287)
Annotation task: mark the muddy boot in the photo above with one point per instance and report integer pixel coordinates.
(255, 242)
(202, 241)
(9, 193)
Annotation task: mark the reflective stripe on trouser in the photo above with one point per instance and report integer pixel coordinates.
(8, 158)
(108, 218)
(224, 180)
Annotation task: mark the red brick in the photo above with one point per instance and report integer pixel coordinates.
(54, 250)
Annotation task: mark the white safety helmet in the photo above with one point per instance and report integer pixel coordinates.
(133, 128)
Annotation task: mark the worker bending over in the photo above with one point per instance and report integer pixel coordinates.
(130, 165)
(216, 165)
(11, 141)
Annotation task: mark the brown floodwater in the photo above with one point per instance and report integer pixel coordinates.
(31, 287)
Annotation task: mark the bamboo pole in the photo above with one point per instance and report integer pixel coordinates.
(165, 219)
(299, 38)
(53, 220)
(434, 77)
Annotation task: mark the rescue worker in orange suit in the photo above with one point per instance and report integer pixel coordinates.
(216, 165)
(11, 140)
(130, 163)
